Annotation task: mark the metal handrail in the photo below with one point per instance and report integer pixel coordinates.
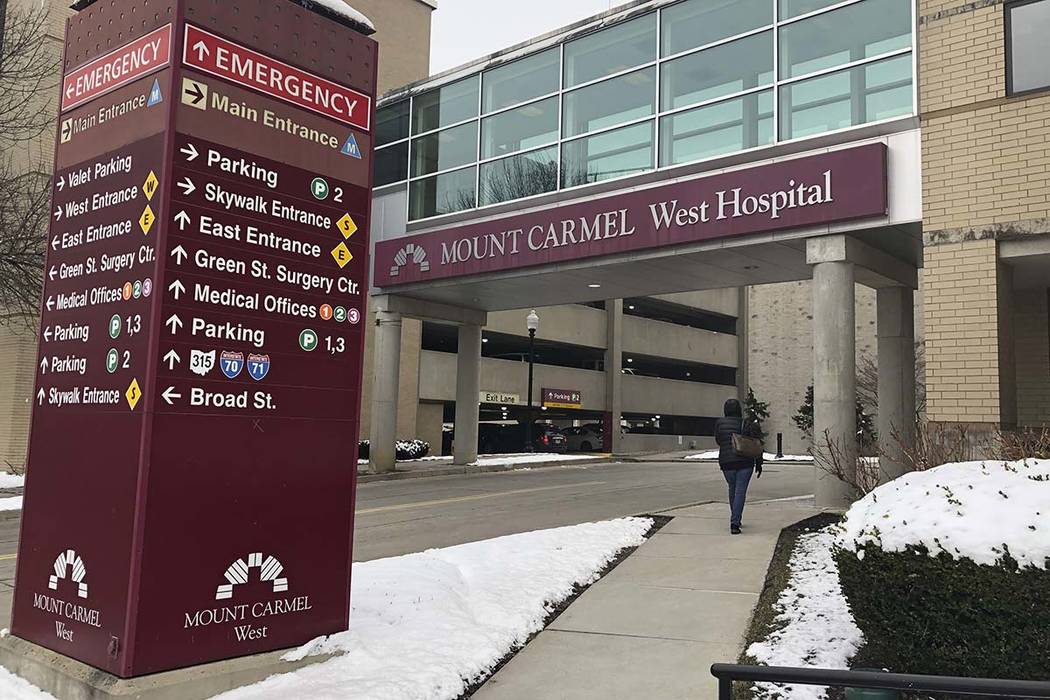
(993, 687)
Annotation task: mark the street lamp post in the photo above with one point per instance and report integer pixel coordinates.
(532, 322)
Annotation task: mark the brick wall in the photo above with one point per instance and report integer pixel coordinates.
(780, 350)
(986, 177)
(961, 315)
(986, 157)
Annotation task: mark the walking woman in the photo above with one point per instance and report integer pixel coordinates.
(736, 468)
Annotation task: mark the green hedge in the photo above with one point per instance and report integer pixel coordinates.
(938, 615)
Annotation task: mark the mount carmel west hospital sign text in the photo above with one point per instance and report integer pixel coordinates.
(820, 189)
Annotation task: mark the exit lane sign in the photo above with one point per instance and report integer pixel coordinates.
(212, 54)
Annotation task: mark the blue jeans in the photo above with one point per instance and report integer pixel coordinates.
(738, 479)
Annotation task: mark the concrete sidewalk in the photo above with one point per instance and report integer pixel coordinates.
(654, 625)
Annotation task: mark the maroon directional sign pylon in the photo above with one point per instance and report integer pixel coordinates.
(192, 459)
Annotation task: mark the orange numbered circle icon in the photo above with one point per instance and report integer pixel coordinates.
(128, 289)
(326, 312)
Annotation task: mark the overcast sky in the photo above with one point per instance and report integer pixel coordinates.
(467, 29)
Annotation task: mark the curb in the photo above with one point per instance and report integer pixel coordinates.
(366, 478)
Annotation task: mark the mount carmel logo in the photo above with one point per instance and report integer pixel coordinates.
(411, 252)
(246, 619)
(68, 579)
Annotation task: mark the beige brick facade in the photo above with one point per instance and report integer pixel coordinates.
(962, 326)
(986, 179)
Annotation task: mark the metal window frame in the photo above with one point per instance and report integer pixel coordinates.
(482, 159)
(780, 134)
(1009, 48)
(483, 114)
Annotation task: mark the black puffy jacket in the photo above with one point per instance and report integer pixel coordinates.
(725, 428)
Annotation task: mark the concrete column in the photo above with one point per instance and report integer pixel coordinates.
(834, 377)
(468, 391)
(614, 374)
(896, 417)
(743, 381)
(387, 361)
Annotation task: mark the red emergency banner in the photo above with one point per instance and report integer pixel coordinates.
(116, 68)
(212, 54)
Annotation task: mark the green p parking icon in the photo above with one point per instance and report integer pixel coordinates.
(114, 326)
(319, 188)
(308, 340)
(112, 360)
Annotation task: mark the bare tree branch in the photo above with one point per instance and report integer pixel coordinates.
(28, 74)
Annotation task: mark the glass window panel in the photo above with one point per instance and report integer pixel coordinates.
(722, 70)
(392, 123)
(446, 105)
(849, 34)
(521, 81)
(611, 50)
(1029, 30)
(515, 130)
(445, 149)
(794, 8)
(519, 176)
(626, 151)
(391, 164)
(862, 94)
(611, 102)
(713, 130)
(442, 194)
(688, 25)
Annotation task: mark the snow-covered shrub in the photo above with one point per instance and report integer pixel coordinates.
(947, 571)
(412, 449)
(405, 449)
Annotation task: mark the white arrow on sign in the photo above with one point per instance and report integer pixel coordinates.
(54, 243)
(61, 184)
(177, 289)
(174, 322)
(187, 186)
(51, 273)
(180, 254)
(172, 358)
(58, 214)
(40, 397)
(190, 152)
(50, 302)
(182, 218)
(170, 394)
(202, 50)
(44, 365)
(47, 334)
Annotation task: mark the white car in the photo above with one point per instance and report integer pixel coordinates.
(586, 438)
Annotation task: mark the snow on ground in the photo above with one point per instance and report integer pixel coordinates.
(12, 503)
(712, 455)
(12, 481)
(13, 687)
(424, 626)
(818, 628)
(967, 509)
(508, 460)
(502, 460)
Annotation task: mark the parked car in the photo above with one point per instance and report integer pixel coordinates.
(585, 438)
(547, 438)
(502, 438)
